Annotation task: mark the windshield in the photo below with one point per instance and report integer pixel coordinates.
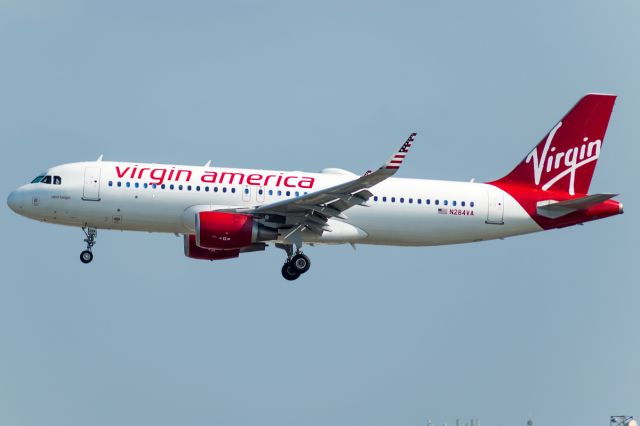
(56, 180)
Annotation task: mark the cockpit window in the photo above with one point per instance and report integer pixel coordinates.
(37, 179)
(57, 180)
(46, 179)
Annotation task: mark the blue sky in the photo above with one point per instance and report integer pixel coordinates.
(544, 325)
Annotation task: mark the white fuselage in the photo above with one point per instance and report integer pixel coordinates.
(158, 198)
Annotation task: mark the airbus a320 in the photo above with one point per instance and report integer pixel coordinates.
(222, 213)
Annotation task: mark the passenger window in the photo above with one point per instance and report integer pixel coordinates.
(393, 199)
(136, 184)
(288, 193)
(180, 187)
(437, 203)
(446, 202)
(453, 203)
(224, 189)
(47, 179)
(402, 199)
(271, 192)
(246, 191)
(233, 190)
(145, 185)
(471, 204)
(428, 201)
(297, 193)
(215, 189)
(171, 186)
(57, 180)
(119, 184)
(419, 200)
(462, 203)
(384, 199)
(110, 183)
(206, 189)
(375, 198)
(279, 193)
(410, 200)
(188, 187)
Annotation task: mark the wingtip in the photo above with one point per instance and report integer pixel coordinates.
(396, 160)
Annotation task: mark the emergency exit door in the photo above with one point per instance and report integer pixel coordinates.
(495, 212)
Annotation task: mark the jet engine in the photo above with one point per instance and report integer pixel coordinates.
(193, 251)
(229, 231)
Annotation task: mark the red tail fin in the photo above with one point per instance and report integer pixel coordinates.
(566, 158)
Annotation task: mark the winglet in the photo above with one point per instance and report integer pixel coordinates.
(396, 159)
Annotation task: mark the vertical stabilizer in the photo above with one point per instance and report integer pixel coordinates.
(566, 157)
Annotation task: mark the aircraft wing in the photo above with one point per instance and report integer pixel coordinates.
(312, 211)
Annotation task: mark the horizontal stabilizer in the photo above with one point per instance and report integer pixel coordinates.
(554, 209)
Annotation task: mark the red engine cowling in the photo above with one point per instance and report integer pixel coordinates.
(193, 251)
(228, 231)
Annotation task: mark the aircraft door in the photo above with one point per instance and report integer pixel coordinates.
(246, 193)
(495, 211)
(260, 195)
(91, 189)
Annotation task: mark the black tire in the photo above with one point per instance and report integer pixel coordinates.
(301, 263)
(289, 272)
(86, 256)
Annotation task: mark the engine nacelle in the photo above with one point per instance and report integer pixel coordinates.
(193, 251)
(229, 231)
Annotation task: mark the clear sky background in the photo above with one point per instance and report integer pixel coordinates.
(544, 325)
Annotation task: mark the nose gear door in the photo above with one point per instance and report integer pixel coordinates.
(91, 190)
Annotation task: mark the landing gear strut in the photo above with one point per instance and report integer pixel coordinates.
(295, 265)
(87, 255)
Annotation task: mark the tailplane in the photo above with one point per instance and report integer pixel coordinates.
(566, 158)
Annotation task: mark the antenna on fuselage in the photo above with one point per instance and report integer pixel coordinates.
(207, 164)
(99, 159)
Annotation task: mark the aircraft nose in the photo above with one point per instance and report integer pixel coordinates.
(14, 201)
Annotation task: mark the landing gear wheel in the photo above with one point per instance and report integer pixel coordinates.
(301, 263)
(289, 272)
(86, 256)
(91, 234)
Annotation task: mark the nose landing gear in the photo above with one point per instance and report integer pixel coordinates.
(295, 265)
(87, 255)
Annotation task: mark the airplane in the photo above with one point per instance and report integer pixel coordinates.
(225, 212)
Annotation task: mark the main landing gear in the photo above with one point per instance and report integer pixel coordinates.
(295, 265)
(87, 255)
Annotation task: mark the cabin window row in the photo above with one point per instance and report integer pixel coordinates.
(199, 188)
(426, 201)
